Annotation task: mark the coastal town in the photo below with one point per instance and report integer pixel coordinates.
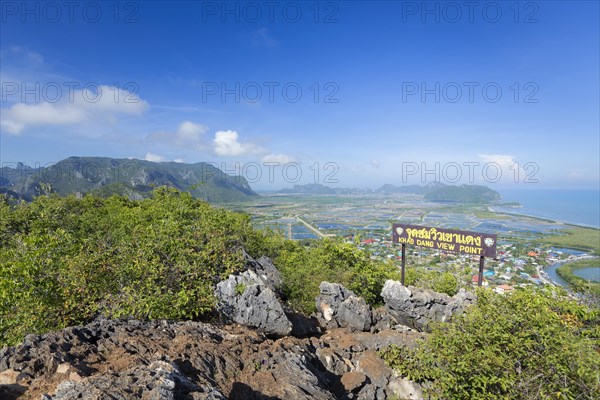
(526, 253)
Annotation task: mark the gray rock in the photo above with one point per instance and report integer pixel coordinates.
(340, 307)
(165, 359)
(405, 389)
(382, 320)
(303, 326)
(157, 381)
(368, 392)
(267, 271)
(416, 308)
(333, 362)
(245, 299)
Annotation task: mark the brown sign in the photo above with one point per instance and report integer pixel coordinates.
(474, 243)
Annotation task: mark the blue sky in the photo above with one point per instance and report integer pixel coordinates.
(345, 93)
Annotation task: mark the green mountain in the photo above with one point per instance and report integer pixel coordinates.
(464, 194)
(440, 192)
(131, 177)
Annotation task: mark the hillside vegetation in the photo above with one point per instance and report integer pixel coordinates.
(133, 178)
(577, 283)
(65, 260)
(585, 239)
(435, 191)
(529, 345)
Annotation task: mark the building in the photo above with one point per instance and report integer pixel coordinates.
(475, 281)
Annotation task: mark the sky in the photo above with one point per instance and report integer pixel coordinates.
(347, 94)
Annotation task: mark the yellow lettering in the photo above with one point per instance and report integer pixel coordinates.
(425, 243)
(469, 250)
(445, 246)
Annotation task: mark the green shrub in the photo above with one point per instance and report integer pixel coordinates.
(527, 345)
(305, 267)
(446, 283)
(64, 260)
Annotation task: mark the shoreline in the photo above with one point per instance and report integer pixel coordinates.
(554, 221)
(567, 285)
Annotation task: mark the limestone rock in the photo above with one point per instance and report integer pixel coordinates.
(416, 308)
(245, 299)
(340, 307)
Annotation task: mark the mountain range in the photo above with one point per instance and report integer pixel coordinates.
(131, 177)
(433, 191)
(136, 179)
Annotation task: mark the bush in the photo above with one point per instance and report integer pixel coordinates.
(530, 344)
(305, 267)
(64, 260)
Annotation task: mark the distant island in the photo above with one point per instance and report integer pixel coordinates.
(134, 178)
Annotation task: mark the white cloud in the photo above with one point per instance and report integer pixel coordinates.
(500, 159)
(576, 174)
(375, 163)
(190, 132)
(226, 143)
(154, 158)
(262, 38)
(277, 158)
(11, 127)
(80, 106)
(510, 169)
(188, 135)
(25, 55)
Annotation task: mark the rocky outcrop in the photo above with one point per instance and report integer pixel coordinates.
(364, 375)
(252, 359)
(193, 360)
(159, 380)
(405, 308)
(340, 307)
(266, 271)
(415, 307)
(247, 300)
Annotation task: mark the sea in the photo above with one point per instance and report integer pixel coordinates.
(578, 207)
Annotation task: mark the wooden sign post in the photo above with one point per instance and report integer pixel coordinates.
(455, 241)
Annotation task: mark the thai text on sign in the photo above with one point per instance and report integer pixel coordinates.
(465, 242)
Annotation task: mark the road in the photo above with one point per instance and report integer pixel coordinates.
(312, 228)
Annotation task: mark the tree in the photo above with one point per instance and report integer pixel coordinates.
(527, 345)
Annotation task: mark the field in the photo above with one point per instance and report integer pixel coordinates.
(578, 238)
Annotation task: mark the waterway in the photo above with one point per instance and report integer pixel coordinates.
(553, 275)
(589, 274)
(592, 273)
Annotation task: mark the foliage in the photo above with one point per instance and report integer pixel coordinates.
(240, 288)
(443, 282)
(530, 344)
(104, 176)
(585, 239)
(64, 260)
(577, 283)
(305, 267)
(463, 194)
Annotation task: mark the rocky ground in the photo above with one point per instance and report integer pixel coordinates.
(260, 351)
(109, 359)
